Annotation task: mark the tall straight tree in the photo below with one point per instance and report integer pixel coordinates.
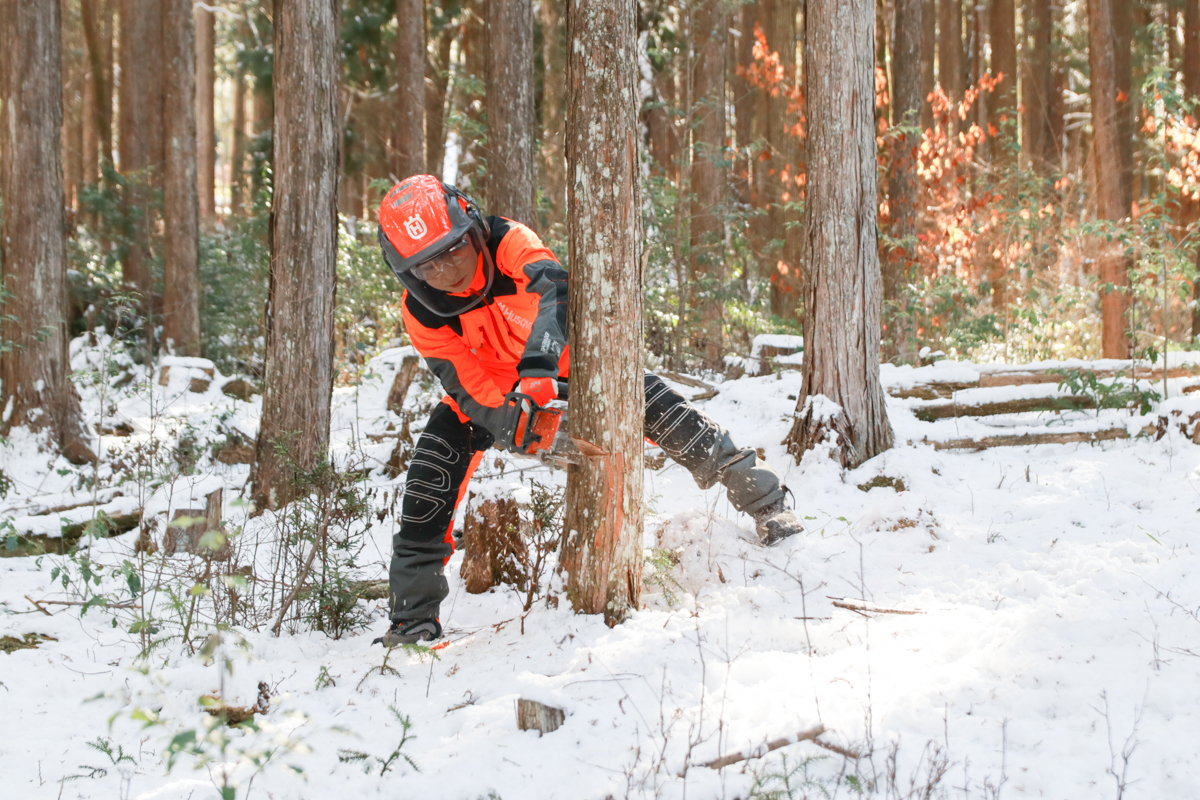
(928, 50)
(602, 551)
(708, 174)
(294, 432)
(1038, 94)
(509, 66)
(1003, 105)
(1112, 194)
(437, 84)
(949, 51)
(36, 371)
(181, 207)
(844, 289)
(554, 101)
(206, 134)
(141, 133)
(907, 77)
(408, 135)
(1191, 87)
(97, 33)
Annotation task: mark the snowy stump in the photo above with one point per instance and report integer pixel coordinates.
(495, 550)
(534, 716)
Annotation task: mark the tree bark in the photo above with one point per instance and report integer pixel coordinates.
(907, 65)
(35, 385)
(1003, 105)
(928, 51)
(206, 134)
(437, 82)
(1112, 198)
(602, 549)
(408, 134)
(708, 178)
(949, 54)
(844, 288)
(97, 32)
(181, 212)
(554, 98)
(473, 130)
(509, 65)
(1191, 88)
(1037, 97)
(141, 135)
(294, 432)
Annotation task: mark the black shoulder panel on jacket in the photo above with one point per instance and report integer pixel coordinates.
(429, 319)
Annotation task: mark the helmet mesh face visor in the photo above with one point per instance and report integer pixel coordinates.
(442, 303)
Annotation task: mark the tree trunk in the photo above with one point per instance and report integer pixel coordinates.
(97, 32)
(408, 134)
(511, 192)
(473, 129)
(949, 53)
(294, 432)
(181, 253)
(1122, 25)
(902, 187)
(1112, 199)
(437, 82)
(141, 135)
(206, 134)
(1003, 106)
(844, 288)
(35, 385)
(708, 178)
(928, 50)
(1037, 97)
(602, 550)
(1191, 88)
(783, 227)
(554, 91)
(237, 156)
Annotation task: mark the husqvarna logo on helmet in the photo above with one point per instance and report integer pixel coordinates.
(415, 227)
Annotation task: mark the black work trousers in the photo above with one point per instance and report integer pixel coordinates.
(448, 451)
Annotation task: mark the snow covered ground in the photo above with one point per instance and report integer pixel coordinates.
(1056, 652)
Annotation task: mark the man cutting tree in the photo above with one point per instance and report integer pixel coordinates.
(485, 303)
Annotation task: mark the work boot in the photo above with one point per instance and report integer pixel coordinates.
(775, 523)
(410, 631)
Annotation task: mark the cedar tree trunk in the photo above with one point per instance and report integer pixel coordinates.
(35, 373)
(554, 100)
(408, 135)
(1191, 87)
(928, 50)
(602, 550)
(1037, 97)
(1112, 199)
(294, 432)
(181, 252)
(509, 65)
(206, 134)
(844, 289)
(437, 83)
(237, 157)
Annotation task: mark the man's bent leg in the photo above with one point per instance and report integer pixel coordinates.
(707, 450)
(447, 452)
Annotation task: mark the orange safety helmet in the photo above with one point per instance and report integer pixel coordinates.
(420, 219)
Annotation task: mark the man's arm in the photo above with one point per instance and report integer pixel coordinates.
(523, 256)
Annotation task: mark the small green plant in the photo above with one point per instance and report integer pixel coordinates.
(324, 679)
(370, 762)
(659, 565)
(791, 781)
(1100, 394)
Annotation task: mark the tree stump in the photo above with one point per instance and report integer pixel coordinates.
(187, 538)
(535, 716)
(495, 550)
(401, 383)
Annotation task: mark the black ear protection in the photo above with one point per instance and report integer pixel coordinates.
(472, 210)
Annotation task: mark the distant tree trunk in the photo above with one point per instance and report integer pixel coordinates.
(141, 135)
(928, 50)
(181, 255)
(509, 67)
(408, 134)
(902, 187)
(473, 130)
(206, 134)
(1037, 98)
(1112, 197)
(35, 373)
(949, 52)
(783, 224)
(1191, 87)
(708, 178)
(263, 111)
(97, 32)
(1122, 25)
(237, 156)
(844, 289)
(437, 82)
(554, 58)
(294, 431)
(602, 551)
(1003, 105)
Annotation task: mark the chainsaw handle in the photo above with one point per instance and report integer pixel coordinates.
(511, 428)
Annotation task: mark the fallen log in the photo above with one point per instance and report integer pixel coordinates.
(37, 544)
(809, 735)
(1002, 375)
(865, 608)
(695, 383)
(948, 408)
(1027, 439)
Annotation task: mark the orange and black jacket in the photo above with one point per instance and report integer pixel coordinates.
(520, 329)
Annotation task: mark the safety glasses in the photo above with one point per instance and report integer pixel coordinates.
(442, 264)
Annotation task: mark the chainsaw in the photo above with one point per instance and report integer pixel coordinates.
(541, 433)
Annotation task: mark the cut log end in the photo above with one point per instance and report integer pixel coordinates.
(535, 716)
